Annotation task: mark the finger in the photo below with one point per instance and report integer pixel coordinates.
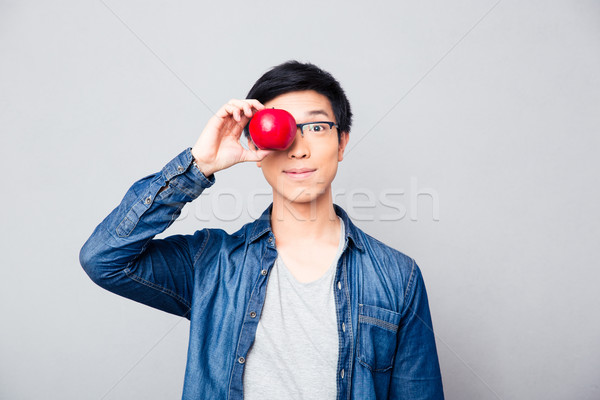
(245, 120)
(241, 124)
(223, 111)
(255, 103)
(248, 110)
(259, 155)
(243, 106)
(252, 103)
(233, 111)
(262, 154)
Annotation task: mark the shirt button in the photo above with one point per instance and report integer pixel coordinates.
(263, 272)
(342, 374)
(339, 285)
(270, 240)
(344, 327)
(252, 314)
(180, 168)
(241, 360)
(148, 200)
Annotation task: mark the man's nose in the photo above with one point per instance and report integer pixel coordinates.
(299, 147)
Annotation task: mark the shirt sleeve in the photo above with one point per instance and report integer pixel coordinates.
(416, 370)
(122, 255)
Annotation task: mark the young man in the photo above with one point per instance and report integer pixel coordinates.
(299, 304)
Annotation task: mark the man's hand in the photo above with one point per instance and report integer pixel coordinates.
(219, 146)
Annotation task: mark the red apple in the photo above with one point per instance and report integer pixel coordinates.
(272, 129)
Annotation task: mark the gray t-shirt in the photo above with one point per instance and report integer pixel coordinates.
(295, 352)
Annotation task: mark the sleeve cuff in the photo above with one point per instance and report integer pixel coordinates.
(182, 165)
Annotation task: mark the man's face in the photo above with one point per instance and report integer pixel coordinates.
(320, 154)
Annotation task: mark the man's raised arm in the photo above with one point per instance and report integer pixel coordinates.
(122, 255)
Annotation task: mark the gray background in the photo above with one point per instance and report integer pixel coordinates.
(490, 109)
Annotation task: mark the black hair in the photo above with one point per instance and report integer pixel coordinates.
(293, 76)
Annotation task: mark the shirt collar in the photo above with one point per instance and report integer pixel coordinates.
(263, 225)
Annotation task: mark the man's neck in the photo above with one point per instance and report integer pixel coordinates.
(305, 222)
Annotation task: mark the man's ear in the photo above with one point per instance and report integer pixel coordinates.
(344, 138)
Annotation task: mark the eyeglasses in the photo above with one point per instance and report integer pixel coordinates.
(317, 129)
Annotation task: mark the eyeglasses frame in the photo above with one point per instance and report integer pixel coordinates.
(331, 125)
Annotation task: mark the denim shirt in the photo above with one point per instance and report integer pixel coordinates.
(218, 281)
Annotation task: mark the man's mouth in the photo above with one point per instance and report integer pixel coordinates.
(299, 173)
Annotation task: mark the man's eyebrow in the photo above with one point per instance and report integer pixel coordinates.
(316, 112)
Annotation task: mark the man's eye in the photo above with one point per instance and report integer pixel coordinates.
(317, 128)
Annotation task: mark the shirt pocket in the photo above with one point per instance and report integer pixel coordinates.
(377, 329)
